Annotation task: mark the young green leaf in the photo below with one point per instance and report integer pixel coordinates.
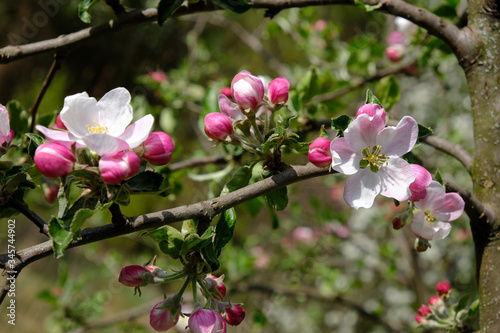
(341, 123)
(278, 199)
(147, 182)
(240, 178)
(169, 240)
(423, 131)
(84, 9)
(371, 98)
(166, 8)
(224, 230)
(35, 142)
(388, 89)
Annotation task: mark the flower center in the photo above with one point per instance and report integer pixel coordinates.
(431, 219)
(97, 128)
(373, 158)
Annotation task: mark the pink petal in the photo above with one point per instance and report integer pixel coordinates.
(451, 208)
(230, 109)
(4, 122)
(138, 132)
(397, 141)
(362, 132)
(396, 178)
(421, 227)
(362, 188)
(344, 160)
(60, 137)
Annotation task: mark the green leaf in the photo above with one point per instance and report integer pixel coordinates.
(166, 8)
(195, 242)
(224, 230)
(388, 89)
(210, 257)
(462, 303)
(18, 117)
(474, 309)
(423, 131)
(438, 177)
(84, 9)
(146, 182)
(278, 199)
(308, 86)
(16, 181)
(237, 6)
(61, 236)
(341, 123)
(368, 8)
(371, 98)
(240, 178)
(445, 11)
(35, 142)
(292, 142)
(169, 240)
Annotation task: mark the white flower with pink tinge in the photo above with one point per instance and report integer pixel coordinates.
(102, 125)
(437, 209)
(370, 154)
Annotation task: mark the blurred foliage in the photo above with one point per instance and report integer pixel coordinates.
(315, 266)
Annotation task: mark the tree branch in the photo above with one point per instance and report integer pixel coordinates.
(460, 41)
(56, 64)
(31, 215)
(450, 148)
(203, 209)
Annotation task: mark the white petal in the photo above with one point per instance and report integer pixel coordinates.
(79, 111)
(397, 141)
(434, 197)
(344, 160)
(361, 189)
(362, 132)
(421, 227)
(115, 111)
(396, 178)
(138, 132)
(56, 136)
(104, 144)
(4, 121)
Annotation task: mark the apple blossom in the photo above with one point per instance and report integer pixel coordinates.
(206, 321)
(395, 38)
(230, 109)
(6, 134)
(369, 154)
(371, 110)
(158, 148)
(218, 126)
(435, 300)
(437, 208)
(165, 314)
(134, 276)
(234, 315)
(118, 167)
(424, 311)
(423, 179)
(248, 90)
(54, 160)
(319, 152)
(395, 52)
(278, 90)
(100, 126)
(443, 288)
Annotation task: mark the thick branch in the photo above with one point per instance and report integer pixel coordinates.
(460, 41)
(208, 209)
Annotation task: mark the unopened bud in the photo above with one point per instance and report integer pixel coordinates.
(54, 160)
(218, 126)
(422, 244)
(235, 315)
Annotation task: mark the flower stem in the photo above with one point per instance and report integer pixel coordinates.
(256, 129)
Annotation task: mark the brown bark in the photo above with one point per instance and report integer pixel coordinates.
(483, 77)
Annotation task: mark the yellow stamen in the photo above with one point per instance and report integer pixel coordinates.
(373, 158)
(431, 219)
(97, 128)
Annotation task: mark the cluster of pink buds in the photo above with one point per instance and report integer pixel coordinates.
(208, 318)
(398, 40)
(248, 99)
(97, 136)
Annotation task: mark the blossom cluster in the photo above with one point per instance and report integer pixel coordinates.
(90, 133)
(250, 99)
(398, 40)
(370, 154)
(210, 318)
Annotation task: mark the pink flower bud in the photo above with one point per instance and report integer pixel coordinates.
(206, 321)
(424, 311)
(164, 315)
(278, 90)
(54, 160)
(435, 300)
(226, 91)
(395, 38)
(423, 179)
(422, 244)
(419, 319)
(319, 152)
(304, 234)
(399, 221)
(371, 110)
(235, 315)
(320, 25)
(247, 90)
(59, 123)
(158, 76)
(394, 52)
(218, 126)
(158, 148)
(50, 192)
(443, 288)
(118, 167)
(230, 109)
(216, 283)
(134, 276)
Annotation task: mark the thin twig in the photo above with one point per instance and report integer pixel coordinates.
(194, 162)
(56, 64)
(450, 148)
(31, 215)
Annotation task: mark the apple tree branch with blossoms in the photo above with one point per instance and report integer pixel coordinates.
(94, 156)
